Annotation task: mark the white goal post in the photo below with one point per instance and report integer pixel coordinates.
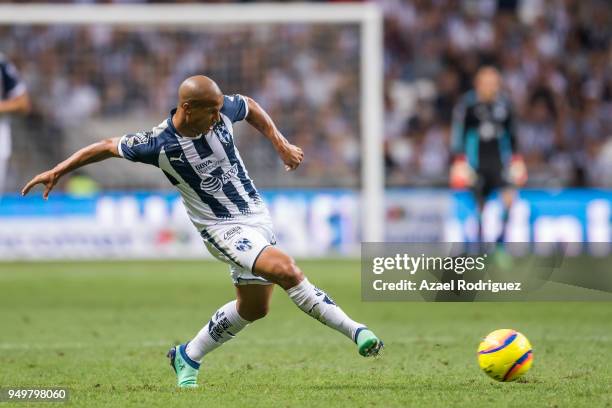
(368, 16)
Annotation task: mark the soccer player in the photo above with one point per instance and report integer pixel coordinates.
(484, 145)
(13, 99)
(195, 150)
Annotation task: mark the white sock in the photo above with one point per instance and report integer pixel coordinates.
(223, 326)
(318, 305)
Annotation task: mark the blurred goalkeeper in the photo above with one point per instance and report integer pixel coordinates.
(484, 145)
(194, 149)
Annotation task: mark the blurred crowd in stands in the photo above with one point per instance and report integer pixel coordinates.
(555, 57)
(556, 60)
(306, 77)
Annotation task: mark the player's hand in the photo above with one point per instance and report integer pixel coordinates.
(518, 171)
(48, 178)
(461, 174)
(292, 156)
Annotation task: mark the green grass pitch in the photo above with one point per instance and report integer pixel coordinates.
(102, 329)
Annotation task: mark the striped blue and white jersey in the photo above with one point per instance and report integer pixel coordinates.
(11, 86)
(207, 170)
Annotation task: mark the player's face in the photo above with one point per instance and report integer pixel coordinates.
(488, 83)
(203, 117)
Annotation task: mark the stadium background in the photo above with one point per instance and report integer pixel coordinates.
(90, 82)
(101, 327)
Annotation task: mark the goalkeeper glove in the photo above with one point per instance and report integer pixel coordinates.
(518, 171)
(461, 173)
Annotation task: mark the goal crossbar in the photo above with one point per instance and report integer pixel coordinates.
(186, 13)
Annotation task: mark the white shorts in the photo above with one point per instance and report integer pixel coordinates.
(239, 244)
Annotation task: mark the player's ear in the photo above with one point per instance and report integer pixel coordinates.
(186, 107)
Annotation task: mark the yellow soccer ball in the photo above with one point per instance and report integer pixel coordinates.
(505, 355)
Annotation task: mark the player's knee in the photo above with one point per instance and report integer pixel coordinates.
(287, 272)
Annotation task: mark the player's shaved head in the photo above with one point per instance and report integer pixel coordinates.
(487, 83)
(199, 106)
(199, 90)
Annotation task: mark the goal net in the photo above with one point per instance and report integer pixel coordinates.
(102, 71)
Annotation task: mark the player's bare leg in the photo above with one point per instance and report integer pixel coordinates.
(252, 303)
(277, 267)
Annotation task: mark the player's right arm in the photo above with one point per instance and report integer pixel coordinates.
(102, 150)
(289, 153)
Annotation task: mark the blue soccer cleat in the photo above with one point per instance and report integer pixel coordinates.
(185, 368)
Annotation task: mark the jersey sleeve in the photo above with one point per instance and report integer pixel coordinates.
(235, 107)
(12, 85)
(458, 128)
(139, 147)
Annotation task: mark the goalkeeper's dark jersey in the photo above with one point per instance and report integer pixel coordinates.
(484, 132)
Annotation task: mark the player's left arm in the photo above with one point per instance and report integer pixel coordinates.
(257, 117)
(461, 174)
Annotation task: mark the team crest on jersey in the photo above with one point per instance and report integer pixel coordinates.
(139, 138)
(243, 245)
(222, 133)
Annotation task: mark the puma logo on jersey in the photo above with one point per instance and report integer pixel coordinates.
(178, 159)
